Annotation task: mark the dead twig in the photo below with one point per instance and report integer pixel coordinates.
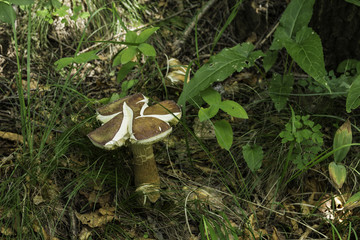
(178, 43)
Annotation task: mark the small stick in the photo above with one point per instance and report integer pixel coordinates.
(178, 43)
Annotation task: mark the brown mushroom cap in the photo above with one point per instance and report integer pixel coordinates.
(133, 118)
(136, 102)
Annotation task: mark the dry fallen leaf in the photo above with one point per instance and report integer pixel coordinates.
(11, 136)
(98, 218)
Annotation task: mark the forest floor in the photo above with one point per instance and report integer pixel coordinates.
(55, 184)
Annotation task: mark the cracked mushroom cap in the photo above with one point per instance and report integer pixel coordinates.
(136, 102)
(153, 124)
(132, 118)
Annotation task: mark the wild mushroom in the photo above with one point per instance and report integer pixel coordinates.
(131, 121)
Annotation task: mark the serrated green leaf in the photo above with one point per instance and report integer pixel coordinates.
(84, 15)
(131, 37)
(307, 52)
(279, 90)
(224, 134)
(253, 156)
(211, 96)
(128, 54)
(21, 2)
(353, 97)
(147, 49)
(219, 68)
(124, 70)
(144, 35)
(7, 13)
(234, 109)
(207, 113)
(63, 62)
(269, 59)
(86, 57)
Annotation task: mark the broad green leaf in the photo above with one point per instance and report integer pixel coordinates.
(220, 67)
(86, 57)
(355, 2)
(84, 15)
(296, 15)
(353, 97)
(347, 65)
(307, 52)
(207, 113)
(353, 201)
(7, 13)
(279, 90)
(233, 108)
(124, 70)
(128, 54)
(337, 174)
(117, 59)
(130, 37)
(147, 49)
(253, 156)
(21, 2)
(269, 59)
(63, 62)
(211, 96)
(144, 35)
(126, 85)
(343, 136)
(224, 134)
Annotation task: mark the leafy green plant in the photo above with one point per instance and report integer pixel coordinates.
(54, 9)
(218, 69)
(223, 130)
(305, 139)
(304, 46)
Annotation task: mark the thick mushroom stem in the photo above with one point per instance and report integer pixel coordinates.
(146, 175)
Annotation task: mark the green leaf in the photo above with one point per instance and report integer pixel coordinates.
(355, 2)
(86, 57)
(128, 54)
(124, 70)
(233, 108)
(144, 35)
(224, 134)
(84, 15)
(253, 156)
(343, 136)
(21, 2)
(307, 52)
(126, 85)
(279, 90)
(347, 65)
(62, 11)
(296, 15)
(269, 59)
(354, 199)
(7, 13)
(337, 173)
(131, 37)
(147, 49)
(220, 67)
(207, 113)
(63, 62)
(353, 97)
(211, 96)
